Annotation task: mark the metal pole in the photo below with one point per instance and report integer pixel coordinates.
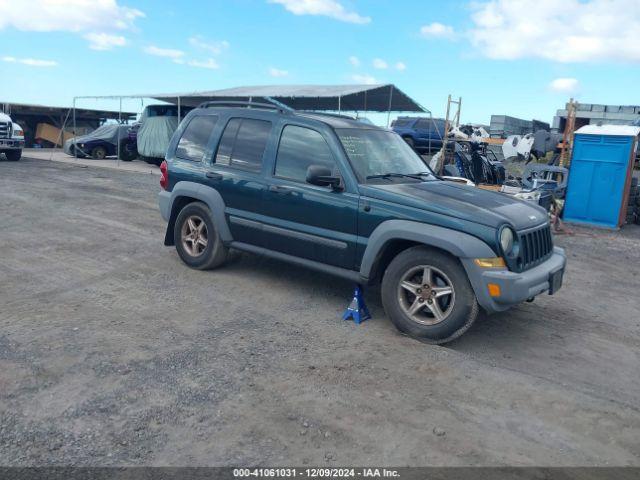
(433, 126)
(75, 135)
(340, 104)
(389, 109)
(179, 111)
(119, 130)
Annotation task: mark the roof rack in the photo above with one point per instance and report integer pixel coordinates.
(217, 103)
(328, 114)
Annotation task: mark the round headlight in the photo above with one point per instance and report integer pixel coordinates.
(506, 240)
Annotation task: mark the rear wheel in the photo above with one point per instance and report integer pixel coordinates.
(410, 142)
(125, 154)
(13, 155)
(427, 295)
(197, 241)
(99, 153)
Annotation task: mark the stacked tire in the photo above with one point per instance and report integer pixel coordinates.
(633, 205)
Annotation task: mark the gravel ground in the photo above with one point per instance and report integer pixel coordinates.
(112, 352)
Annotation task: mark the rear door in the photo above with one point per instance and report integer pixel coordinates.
(304, 220)
(236, 172)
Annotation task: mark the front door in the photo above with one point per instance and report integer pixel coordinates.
(304, 220)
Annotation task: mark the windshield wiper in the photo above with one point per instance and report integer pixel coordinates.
(396, 175)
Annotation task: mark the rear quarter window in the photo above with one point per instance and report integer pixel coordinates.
(194, 140)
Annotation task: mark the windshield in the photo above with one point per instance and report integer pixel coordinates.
(375, 154)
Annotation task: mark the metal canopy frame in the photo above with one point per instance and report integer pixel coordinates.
(354, 98)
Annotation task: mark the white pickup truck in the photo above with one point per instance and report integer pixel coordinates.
(11, 138)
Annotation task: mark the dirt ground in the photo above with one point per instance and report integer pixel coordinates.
(112, 352)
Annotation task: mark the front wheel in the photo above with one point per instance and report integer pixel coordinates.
(197, 240)
(427, 295)
(99, 153)
(13, 155)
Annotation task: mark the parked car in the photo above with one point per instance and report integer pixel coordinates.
(353, 200)
(101, 143)
(11, 138)
(423, 134)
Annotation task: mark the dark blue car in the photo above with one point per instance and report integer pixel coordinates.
(423, 134)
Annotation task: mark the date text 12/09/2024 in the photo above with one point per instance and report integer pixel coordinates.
(315, 473)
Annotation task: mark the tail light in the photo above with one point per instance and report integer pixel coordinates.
(164, 175)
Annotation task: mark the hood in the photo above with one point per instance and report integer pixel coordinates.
(4, 117)
(461, 201)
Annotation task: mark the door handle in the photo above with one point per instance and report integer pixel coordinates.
(280, 189)
(214, 175)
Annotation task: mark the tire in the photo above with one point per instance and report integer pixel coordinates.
(208, 256)
(98, 153)
(458, 309)
(410, 142)
(13, 155)
(125, 154)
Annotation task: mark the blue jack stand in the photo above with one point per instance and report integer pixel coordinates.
(357, 309)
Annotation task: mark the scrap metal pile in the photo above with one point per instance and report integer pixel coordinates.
(468, 156)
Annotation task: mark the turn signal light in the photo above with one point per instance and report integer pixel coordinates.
(494, 289)
(497, 262)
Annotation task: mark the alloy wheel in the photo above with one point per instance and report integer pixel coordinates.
(194, 235)
(426, 294)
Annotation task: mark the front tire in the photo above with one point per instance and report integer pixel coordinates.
(98, 153)
(197, 241)
(427, 295)
(13, 155)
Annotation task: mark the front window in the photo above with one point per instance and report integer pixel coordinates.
(380, 154)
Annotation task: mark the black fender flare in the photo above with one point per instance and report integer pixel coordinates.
(458, 244)
(204, 193)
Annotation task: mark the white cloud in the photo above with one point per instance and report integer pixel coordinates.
(354, 61)
(105, 41)
(276, 72)
(400, 66)
(210, 63)
(364, 79)
(66, 15)
(379, 64)
(32, 62)
(570, 31)
(214, 47)
(327, 8)
(437, 30)
(164, 52)
(564, 85)
(71, 16)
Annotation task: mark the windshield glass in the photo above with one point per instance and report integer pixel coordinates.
(375, 153)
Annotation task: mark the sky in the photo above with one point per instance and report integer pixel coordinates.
(523, 58)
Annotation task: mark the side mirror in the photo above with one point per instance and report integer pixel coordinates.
(321, 175)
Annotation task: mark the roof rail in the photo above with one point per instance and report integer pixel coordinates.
(217, 103)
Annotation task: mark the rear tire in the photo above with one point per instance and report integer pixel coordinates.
(125, 154)
(197, 241)
(410, 142)
(444, 305)
(13, 155)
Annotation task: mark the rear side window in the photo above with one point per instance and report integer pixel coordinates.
(299, 148)
(243, 143)
(424, 124)
(195, 138)
(402, 122)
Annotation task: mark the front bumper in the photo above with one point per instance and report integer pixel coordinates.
(11, 144)
(514, 287)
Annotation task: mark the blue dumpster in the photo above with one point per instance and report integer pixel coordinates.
(600, 174)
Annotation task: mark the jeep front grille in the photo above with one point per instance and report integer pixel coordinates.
(536, 245)
(5, 130)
